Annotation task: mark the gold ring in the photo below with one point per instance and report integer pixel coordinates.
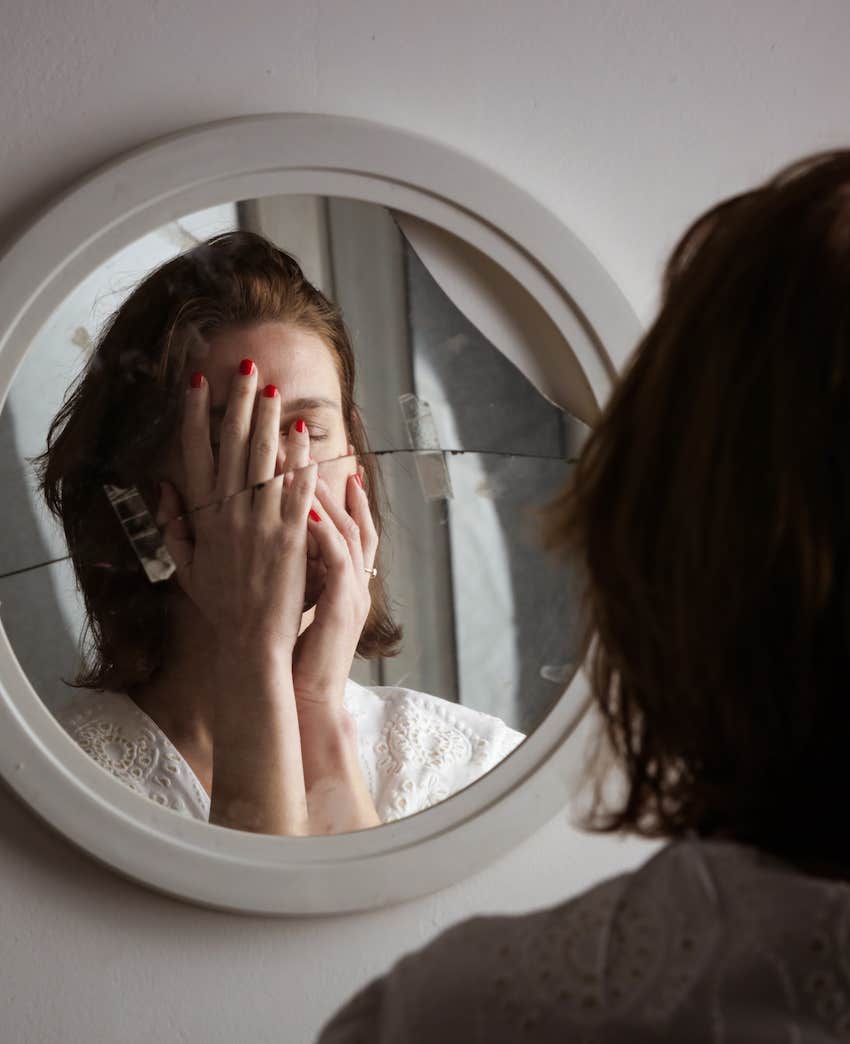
(372, 572)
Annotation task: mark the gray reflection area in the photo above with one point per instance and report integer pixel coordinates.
(487, 401)
(489, 619)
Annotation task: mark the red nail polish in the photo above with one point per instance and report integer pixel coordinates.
(300, 426)
(315, 515)
(197, 380)
(246, 367)
(358, 480)
(270, 391)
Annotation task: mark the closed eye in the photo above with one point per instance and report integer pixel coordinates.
(316, 434)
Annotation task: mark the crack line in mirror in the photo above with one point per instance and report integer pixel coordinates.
(123, 495)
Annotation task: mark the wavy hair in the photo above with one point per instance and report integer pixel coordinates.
(710, 516)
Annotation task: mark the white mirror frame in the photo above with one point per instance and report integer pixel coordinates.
(252, 157)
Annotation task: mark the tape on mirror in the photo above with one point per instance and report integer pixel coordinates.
(142, 532)
(422, 434)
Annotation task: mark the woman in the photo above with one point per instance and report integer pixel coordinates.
(711, 513)
(223, 389)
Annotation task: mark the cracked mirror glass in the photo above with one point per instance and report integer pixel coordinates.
(273, 514)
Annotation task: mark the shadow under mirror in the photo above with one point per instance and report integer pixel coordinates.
(441, 451)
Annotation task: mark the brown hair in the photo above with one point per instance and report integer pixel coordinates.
(123, 410)
(710, 516)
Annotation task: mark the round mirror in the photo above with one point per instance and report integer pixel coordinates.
(432, 378)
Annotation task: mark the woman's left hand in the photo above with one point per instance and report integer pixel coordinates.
(347, 542)
(338, 798)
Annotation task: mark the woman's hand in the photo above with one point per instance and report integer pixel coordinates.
(276, 768)
(245, 565)
(244, 569)
(347, 543)
(338, 798)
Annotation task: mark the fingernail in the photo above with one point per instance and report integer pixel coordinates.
(358, 480)
(270, 391)
(315, 515)
(246, 367)
(300, 426)
(197, 380)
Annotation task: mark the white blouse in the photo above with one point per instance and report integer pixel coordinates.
(415, 749)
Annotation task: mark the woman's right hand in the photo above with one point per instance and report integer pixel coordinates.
(243, 559)
(243, 565)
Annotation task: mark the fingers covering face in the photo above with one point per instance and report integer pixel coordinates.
(358, 506)
(175, 529)
(250, 455)
(266, 438)
(235, 428)
(351, 534)
(195, 443)
(299, 495)
(297, 446)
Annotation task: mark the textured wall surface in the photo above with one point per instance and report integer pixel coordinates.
(626, 118)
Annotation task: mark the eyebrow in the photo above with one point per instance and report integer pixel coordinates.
(292, 406)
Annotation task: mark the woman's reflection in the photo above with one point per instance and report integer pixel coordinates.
(224, 386)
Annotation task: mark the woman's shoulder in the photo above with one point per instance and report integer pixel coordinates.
(468, 734)
(394, 701)
(90, 714)
(86, 704)
(417, 749)
(489, 977)
(703, 942)
(123, 740)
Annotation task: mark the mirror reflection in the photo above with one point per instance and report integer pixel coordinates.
(274, 561)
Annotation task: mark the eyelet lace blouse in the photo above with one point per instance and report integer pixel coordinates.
(707, 943)
(415, 749)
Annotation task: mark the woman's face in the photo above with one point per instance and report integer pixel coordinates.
(302, 368)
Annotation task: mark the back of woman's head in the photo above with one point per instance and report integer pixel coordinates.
(122, 415)
(711, 514)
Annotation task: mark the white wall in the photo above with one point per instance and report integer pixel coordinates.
(626, 118)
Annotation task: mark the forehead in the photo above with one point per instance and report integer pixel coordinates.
(297, 361)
